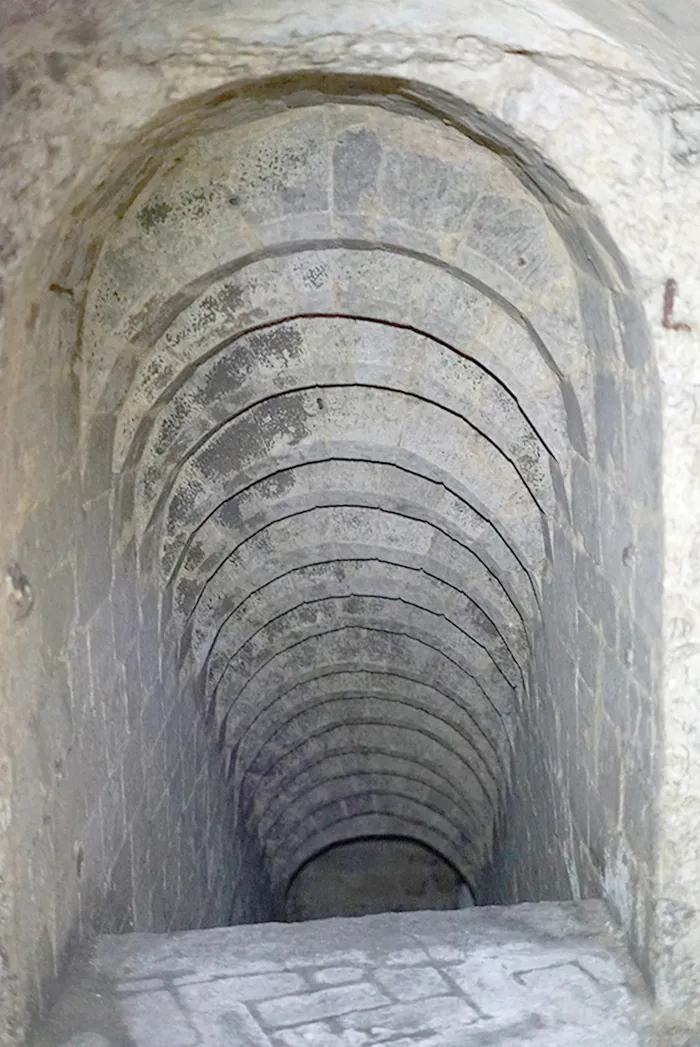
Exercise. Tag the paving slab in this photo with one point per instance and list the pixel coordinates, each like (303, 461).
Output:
(542, 974)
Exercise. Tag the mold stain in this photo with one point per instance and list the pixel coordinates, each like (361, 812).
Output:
(153, 214)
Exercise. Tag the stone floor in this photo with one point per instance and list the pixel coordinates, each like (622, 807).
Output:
(542, 975)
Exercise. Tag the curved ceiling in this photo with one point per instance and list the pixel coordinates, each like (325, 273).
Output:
(351, 342)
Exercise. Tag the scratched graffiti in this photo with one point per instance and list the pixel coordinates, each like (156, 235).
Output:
(667, 321)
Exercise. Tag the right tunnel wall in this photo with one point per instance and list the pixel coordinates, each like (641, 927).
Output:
(580, 819)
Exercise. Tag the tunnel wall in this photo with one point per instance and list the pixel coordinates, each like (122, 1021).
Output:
(587, 766)
(119, 818)
(28, 475)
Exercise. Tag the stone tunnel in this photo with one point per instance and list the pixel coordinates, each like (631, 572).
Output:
(335, 438)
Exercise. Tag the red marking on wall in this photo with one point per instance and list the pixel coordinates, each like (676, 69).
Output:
(667, 320)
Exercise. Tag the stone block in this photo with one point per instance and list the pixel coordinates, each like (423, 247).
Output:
(634, 331)
(562, 586)
(596, 599)
(155, 1019)
(638, 814)
(443, 1014)
(614, 688)
(326, 1003)
(588, 650)
(132, 772)
(337, 975)
(68, 810)
(425, 192)
(610, 774)
(585, 506)
(92, 873)
(97, 477)
(66, 909)
(94, 562)
(412, 983)
(55, 728)
(125, 607)
(512, 232)
(647, 579)
(206, 999)
(149, 644)
(642, 658)
(59, 599)
(356, 159)
(648, 756)
(617, 539)
(103, 661)
(610, 424)
(140, 846)
(643, 446)
(114, 718)
(78, 663)
(594, 304)
(113, 822)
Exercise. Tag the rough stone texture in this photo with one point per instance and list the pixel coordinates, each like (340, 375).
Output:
(102, 747)
(326, 391)
(547, 974)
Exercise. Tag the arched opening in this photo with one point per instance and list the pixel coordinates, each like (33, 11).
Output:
(358, 515)
(373, 875)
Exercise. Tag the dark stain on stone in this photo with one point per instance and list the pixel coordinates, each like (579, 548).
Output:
(279, 484)
(84, 32)
(226, 374)
(8, 244)
(230, 297)
(226, 453)
(195, 556)
(180, 508)
(667, 321)
(214, 308)
(173, 424)
(315, 276)
(57, 66)
(197, 202)
(337, 569)
(20, 598)
(229, 514)
(153, 214)
(288, 415)
(281, 342)
(32, 316)
(356, 160)
(10, 84)
(139, 319)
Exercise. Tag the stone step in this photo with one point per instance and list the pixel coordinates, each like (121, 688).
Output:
(540, 974)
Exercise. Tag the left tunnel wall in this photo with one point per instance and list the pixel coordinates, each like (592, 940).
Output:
(114, 799)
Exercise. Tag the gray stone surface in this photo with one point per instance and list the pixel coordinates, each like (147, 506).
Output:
(351, 518)
(551, 975)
